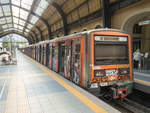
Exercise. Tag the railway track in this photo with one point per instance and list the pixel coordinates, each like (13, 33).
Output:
(116, 104)
(130, 104)
(133, 106)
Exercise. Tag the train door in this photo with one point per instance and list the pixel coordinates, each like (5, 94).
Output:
(43, 60)
(61, 57)
(47, 55)
(35, 51)
(40, 53)
(55, 57)
(44, 54)
(50, 55)
(37, 55)
(76, 61)
(32, 50)
(67, 59)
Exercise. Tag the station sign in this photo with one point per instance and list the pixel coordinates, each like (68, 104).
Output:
(144, 22)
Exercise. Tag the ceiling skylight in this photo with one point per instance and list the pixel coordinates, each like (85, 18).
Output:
(33, 19)
(16, 20)
(17, 14)
(9, 19)
(2, 21)
(4, 26)
(43, 4)
(15, 11)
(1, 12)
(16, 2)
(29, 26)
(23, 14)
(4, 1)
(6, 9)
(21, 22)
(10, 25)
(15, 25)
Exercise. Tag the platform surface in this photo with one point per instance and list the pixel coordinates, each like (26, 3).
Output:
(142, 81)
(26, 88)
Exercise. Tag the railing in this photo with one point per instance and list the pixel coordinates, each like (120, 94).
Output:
(144, 65)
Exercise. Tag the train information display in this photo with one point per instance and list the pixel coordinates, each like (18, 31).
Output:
(110, 38)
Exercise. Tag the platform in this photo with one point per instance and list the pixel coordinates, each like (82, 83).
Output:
(28, 87)
(142, 81)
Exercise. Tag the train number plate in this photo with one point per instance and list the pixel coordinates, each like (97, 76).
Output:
(104, 84)
(111, 72)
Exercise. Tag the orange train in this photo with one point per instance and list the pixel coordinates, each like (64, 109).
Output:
(98, 60)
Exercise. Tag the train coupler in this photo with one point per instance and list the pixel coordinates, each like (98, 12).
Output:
(119, 93)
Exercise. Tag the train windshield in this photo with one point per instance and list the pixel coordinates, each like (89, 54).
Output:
(110, 50)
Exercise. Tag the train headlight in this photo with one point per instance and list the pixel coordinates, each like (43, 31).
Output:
(124, 71)
(99, 73)
(94, 85)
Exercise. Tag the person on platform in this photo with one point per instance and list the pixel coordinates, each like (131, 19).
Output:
(137, 58)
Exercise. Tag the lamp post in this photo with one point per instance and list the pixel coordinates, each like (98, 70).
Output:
(10, 38)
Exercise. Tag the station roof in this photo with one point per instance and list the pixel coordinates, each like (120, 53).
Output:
(20, 15)
(39, 20)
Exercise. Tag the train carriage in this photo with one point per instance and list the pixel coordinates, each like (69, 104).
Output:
(95, 60)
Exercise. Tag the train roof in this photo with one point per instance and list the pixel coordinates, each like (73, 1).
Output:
(79, 34)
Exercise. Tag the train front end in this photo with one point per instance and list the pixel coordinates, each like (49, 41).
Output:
(111, 64)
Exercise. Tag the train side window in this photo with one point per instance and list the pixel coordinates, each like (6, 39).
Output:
(77, 48)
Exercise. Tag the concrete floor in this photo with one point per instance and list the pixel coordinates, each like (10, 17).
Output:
(25, 88)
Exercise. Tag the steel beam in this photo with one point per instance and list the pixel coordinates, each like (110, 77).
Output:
(33, 38)
(84, 2)
(15, 32)
(29, 40)
(10, 1)
(35, 35)
(15, 28)
(113, 7)
(40, 31)
(32, 6)
(32, 41)
(121, 4)
(48, 27)
(63, 16)
(106, 14)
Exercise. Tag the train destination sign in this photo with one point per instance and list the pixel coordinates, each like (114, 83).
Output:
(110, 38)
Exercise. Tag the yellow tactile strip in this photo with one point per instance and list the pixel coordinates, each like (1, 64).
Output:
(17, 101)
(142, 81)
(84, 99)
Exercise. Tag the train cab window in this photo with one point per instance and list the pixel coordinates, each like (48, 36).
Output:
(110, 50)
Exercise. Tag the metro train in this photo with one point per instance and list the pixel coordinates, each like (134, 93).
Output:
(98, 60)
